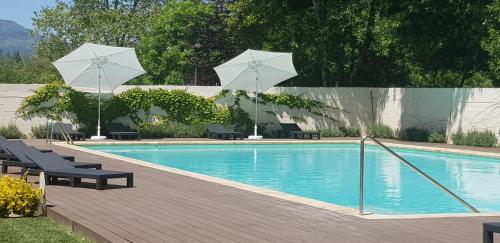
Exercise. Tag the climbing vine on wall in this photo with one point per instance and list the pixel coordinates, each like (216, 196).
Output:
(57, 101)
(297, 102)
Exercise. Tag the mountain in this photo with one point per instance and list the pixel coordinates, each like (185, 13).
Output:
(14, 37)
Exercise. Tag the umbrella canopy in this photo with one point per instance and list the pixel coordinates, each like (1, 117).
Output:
(116, 65)
(256, 71)
(99, 68)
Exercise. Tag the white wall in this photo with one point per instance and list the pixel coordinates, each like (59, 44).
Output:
(436, 109)
(11, 96)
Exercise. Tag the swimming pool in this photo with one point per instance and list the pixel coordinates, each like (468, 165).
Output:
(330, 173)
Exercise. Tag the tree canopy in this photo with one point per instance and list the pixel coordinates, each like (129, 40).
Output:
(335, 43)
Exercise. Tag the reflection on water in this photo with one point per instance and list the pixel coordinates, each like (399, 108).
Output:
(330, 173)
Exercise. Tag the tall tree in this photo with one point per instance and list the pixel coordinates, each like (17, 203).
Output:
(491, 43)
(334, 42)
(186, 35)
(443, 41)
(69, 24)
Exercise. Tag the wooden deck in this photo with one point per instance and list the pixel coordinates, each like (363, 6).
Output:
(167, 207)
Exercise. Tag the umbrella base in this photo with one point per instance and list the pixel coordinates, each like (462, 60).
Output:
(255, 137)
(98, 137)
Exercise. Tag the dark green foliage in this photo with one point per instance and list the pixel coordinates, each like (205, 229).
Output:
(458, 138)
(11, 131)
(437, 137)
(475, 138)
(18, 69)
(239, 119)
(351, 131)
(341, 132)
(346, 43)
(491, 43)
(172, 130)
(381, 131)
(414, 134)
(333, 132)
(183, 36)
(292, 101)
(39, 131)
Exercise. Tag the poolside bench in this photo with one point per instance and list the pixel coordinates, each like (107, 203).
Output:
(488, 230)
(218, 131)
(292, 130)
(119, 131)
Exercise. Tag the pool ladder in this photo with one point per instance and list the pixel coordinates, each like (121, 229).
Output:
(406, 162)
(50, 132)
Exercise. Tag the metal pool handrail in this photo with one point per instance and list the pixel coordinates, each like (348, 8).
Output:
(406, 162)
(50, 131)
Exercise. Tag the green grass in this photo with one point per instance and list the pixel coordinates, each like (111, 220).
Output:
(37, 229)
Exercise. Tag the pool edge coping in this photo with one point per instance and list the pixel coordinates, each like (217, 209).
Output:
(347, 141)
(273, 193)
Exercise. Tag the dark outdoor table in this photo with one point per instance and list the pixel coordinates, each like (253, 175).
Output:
(488, 230)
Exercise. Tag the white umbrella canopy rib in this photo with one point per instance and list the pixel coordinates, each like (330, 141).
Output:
(241, 72)
(99, 68)
(81, 67)
(256, 71)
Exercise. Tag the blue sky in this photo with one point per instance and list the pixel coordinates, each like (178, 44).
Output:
(21, 11)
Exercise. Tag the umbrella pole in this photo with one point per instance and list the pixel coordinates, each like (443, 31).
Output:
(99, 109)
(98, 136)
(255, 136)
(256, 104)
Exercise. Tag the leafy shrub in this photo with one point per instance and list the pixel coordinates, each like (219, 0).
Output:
(11, 131)
(333, 132)
(458, 138)
(39, 131)
(475, 138)
(341, 132)
(436, 137)
(381, 131)
(172, 129)
(481, 139)
(18, 196)
(351, 131)
(414, 134)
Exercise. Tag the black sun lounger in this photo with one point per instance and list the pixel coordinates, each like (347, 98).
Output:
(119, 131)
(10, 160)
(293, 131)
(218, 131)
(75, 135)
(55, 167)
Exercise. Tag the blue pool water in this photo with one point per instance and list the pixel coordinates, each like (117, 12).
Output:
(330, 173)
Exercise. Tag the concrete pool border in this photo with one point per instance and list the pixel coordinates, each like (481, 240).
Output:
(274, 193)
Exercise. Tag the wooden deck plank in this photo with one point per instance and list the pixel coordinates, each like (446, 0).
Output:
(174, 208)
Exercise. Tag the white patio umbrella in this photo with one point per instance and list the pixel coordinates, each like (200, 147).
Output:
(256, 71)
(99, 68)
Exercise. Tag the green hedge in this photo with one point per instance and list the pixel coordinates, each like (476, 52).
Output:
(437, 137)
(381, 131)
(172, 130)
(11, 131)
(341, 132)
(39, 131)
(475, 138)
